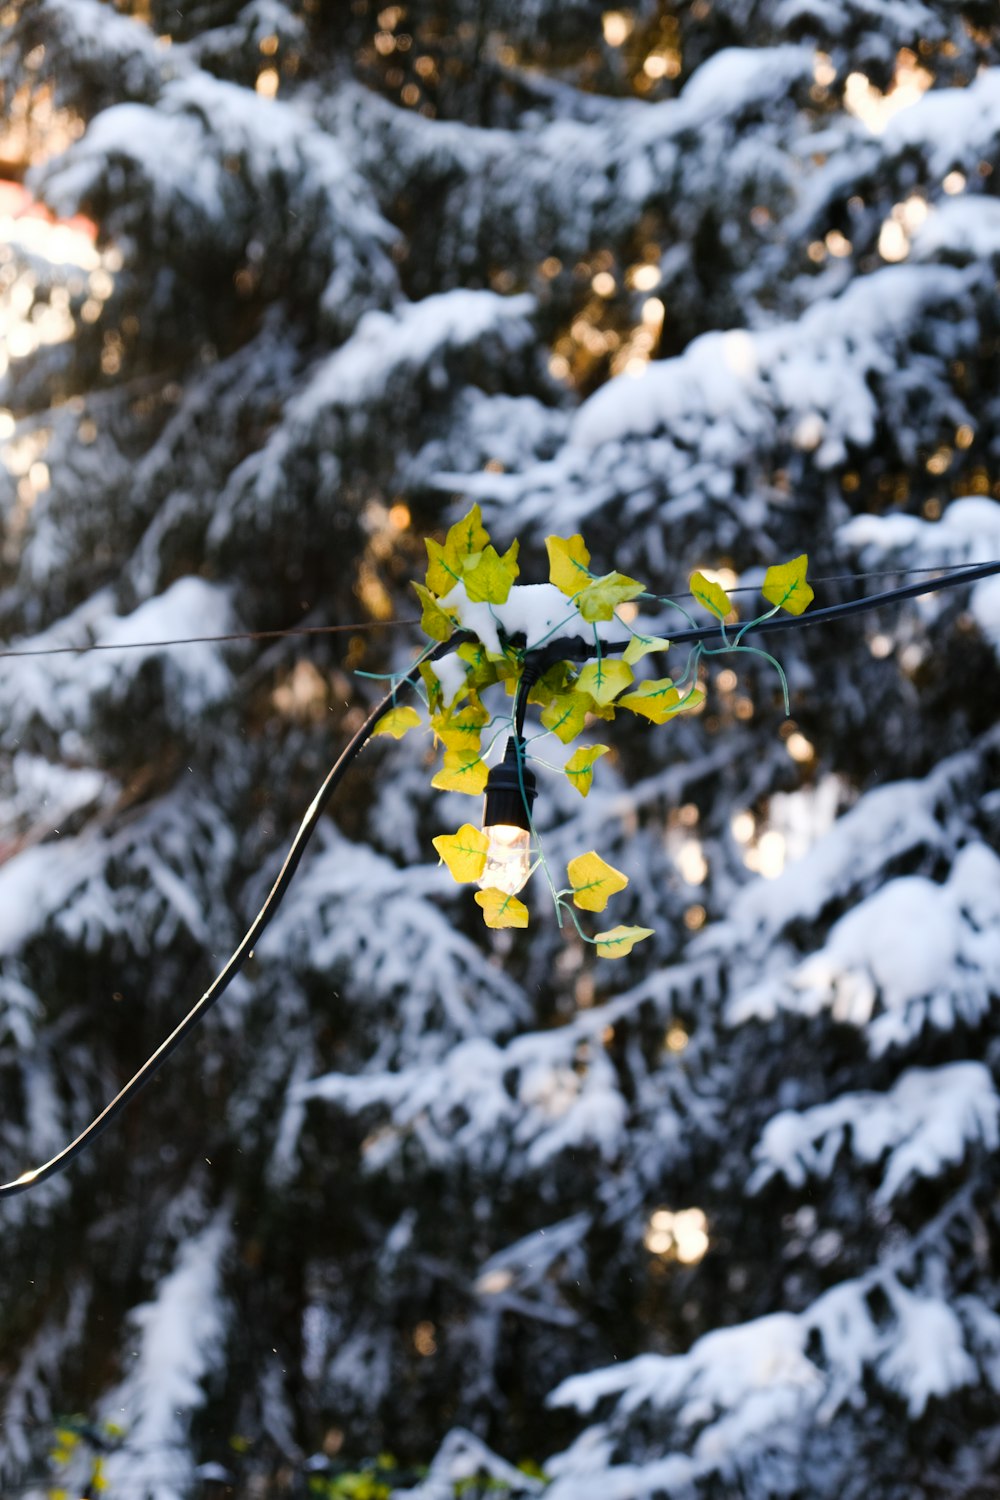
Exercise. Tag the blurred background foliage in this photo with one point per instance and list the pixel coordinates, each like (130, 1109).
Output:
(283, 287)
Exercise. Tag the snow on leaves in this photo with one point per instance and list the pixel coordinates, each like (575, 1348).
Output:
(923, 1125)
(913, 954)
(471, 590)
(737, 1390)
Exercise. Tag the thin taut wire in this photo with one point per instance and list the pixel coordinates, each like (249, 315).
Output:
(197, 640)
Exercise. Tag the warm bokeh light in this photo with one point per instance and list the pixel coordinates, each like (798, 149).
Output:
(875, 109)
(681, 1236)
(617, 27)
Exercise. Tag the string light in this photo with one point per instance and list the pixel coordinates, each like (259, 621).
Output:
(565, 650)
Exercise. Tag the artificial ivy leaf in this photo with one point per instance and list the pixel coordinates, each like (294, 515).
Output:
(641, 645)
(441, 576)
(620, 940)
(593, 881)
(568, 559)
(434, 621)
(463, 852)
(491, 578)
(462, 771)
(397, 721)
(553, 682)
(603, 679)
(483, 672)
(659, 700)
(466, 537)
(461, 728)
(580, 766)
(785, 585)
(566, 715)
(712, 595)
(599, 600)
(433, 688)
(462, 549)
(501, 910)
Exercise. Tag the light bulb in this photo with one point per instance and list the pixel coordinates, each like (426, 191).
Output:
(508, 859)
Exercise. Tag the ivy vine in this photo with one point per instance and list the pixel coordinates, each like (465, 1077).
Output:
(471, 592)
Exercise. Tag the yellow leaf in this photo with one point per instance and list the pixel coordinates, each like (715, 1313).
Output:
(580, 767)
(467, 537)
(785, 585)
(711, 595)
(396, 722)
(441, 577)
(462, 548)
(463, 852)
(566, 715)
(434, 621)
(568, 559)
(641, 645)
(603, 679)
(553, 682)
(461, 729)
(490, 580)
(483, 672)
(599, 599)
(620, 940)
(659, 700)
(501, 910)
(433, 688)
(462, 771)
(593, 881)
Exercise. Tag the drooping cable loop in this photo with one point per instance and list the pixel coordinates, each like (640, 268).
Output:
(253, 935)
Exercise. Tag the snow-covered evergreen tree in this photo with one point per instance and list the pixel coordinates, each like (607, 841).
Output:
(714, 283)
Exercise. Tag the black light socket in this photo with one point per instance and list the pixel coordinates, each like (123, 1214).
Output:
(505, 802)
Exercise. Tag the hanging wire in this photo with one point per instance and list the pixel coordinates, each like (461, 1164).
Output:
(29, 1179)
(197, 640)
(221, 983)
(961, 573)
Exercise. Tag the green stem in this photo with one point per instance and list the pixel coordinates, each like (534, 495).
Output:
(671, 604)
(751, 624)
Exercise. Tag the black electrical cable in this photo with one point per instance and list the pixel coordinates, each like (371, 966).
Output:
(970, 573)
(223, 980)
(535, 664)
(363, 625)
